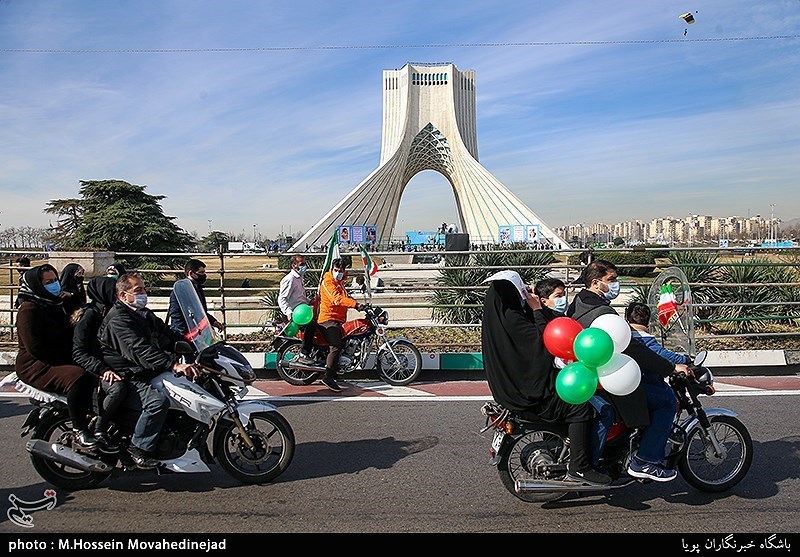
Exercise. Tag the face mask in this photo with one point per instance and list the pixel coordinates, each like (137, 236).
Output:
(613, 290)
(301, 270)
(200, 279)
(338, 275)
(561, 304)
(54, 288)
(139, 301)
(115, 277)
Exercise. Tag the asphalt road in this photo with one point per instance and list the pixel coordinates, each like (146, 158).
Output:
(379, 465)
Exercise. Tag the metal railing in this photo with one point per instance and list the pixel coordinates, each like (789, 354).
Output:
(222, 302)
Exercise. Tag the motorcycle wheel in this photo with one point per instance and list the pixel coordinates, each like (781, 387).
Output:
(292, 376)
(274, 448)
(706, 471)
(519, 462)
(405, 369)
(57, 428)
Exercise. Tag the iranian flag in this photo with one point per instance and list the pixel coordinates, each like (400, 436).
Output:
(333, 253)
(667, 305)
(370, 267)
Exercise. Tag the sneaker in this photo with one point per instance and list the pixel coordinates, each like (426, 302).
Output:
(106, 445)
(142, 459)
(649, 471)
(304, 359)
(331, 383)
(83, 441)
(589, 477)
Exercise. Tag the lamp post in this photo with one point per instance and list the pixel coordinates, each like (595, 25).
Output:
(254, 233)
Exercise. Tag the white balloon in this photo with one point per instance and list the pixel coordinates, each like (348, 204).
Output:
(620, 376)
(617, 328)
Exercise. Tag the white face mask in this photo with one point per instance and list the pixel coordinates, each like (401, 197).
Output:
(139, 301)
(338, 275)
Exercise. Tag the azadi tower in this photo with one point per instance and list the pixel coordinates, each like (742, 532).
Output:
(429, 124)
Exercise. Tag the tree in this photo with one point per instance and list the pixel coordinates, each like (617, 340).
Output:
(618, 241)
(213, 241)
(117, 216)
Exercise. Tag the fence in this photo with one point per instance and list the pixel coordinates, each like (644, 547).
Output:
(421, 283)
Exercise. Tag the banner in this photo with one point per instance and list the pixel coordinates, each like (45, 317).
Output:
(357, 234)
(505, 234)
(371, 234)
(344, 234)
(519, 233)
(533, 233)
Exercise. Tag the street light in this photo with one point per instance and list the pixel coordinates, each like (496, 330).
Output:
(254, 233)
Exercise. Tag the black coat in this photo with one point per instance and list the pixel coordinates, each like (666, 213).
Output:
(588, 306)
(74, 286)
(137, 345)
(519, 368)
(86, 350)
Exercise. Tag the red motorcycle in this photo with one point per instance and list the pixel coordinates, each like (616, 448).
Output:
(711, 448)
(397, 359)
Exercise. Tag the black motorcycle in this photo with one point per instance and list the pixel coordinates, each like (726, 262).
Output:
(711, 448)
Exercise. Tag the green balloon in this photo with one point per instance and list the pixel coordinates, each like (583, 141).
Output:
(302, 314)
(576, 383)
(291, 329)
(593, 347)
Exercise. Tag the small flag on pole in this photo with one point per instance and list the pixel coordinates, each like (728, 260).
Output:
(370, 267)
(667, 305)
(333, 253)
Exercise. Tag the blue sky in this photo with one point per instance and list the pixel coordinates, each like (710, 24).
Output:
(581, 133)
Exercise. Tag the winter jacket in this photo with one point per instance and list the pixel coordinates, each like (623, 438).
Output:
(333, 300)
(137, 344)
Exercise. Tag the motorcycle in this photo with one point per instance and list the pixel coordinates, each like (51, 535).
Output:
(251, 440)
(398, 361)
(711, 448)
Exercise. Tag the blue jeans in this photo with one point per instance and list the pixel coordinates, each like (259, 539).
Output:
(153, 406)
(663, 405)
(600, 426)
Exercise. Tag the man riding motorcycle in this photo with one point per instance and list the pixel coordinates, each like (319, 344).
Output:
(333, 306)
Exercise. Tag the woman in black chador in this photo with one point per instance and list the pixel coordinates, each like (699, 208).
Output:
(521, 373)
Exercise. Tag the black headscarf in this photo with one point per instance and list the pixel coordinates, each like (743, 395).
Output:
(102, 291)
(69, 281)
(518, 366)
(32, 290)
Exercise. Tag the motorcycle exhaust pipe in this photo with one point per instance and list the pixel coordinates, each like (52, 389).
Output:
(304, 367)
(527, 486)
(66, 456)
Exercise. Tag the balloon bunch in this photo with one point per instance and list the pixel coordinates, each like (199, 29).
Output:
(301, 315)
(593, 355)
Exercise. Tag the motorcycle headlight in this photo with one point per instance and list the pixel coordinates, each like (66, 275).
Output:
(704, 376)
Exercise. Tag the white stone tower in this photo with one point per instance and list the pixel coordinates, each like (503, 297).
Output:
(429, 124)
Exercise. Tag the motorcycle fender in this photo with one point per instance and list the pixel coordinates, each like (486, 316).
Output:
(31, 421)
(391, 342)
(691, 423)
(279, 342)
(248, 407)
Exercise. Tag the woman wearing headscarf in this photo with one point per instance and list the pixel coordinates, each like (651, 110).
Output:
(44, 356)
(87, 353)
(72, 290)
(521, 372)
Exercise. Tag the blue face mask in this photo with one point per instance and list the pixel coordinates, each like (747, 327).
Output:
(560, 304)
(54, 288)
(613, 290)
(301, 270)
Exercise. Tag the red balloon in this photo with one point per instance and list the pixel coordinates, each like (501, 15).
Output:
(559, 337)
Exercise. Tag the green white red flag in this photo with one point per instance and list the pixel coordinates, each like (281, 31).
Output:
(370, 267)
(667, 305)
(333, 253)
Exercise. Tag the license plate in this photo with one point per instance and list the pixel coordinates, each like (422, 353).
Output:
(497, 440)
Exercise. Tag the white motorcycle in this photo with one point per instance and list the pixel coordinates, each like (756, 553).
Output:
(251, 440)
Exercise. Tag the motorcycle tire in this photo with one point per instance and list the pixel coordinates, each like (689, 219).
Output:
(518, 460)
(403, 371)
(297, 377)
(274, 448)
(712, 473)
(57, 428)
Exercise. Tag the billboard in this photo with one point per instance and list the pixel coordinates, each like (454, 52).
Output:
(532, 233)
(344, 234)
(504, 236)
(371, 234)
(357, 234)
(518, 233)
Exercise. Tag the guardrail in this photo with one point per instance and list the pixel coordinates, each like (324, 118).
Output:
(260, 308)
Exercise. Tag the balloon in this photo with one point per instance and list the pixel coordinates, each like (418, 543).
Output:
(620, 376)
(617, 328)
(576, 383)
(302, 314)
(291, 329)
(593, 347)
(559, 337)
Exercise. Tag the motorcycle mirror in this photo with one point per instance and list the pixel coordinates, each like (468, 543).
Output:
(700, 357)
(183, 347)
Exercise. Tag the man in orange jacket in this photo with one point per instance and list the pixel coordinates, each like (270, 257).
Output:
(333, 306)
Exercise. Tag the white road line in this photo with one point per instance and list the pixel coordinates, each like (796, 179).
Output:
(391, 390)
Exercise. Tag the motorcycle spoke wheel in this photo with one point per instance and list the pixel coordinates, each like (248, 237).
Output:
(58, 430)
(272, 451)
(297, 377)
(402, 367)
(705, 469)
(528, 459)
